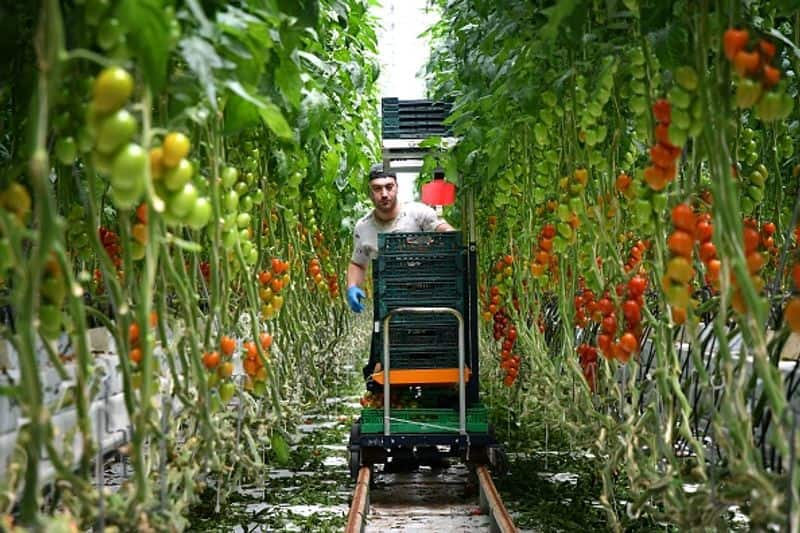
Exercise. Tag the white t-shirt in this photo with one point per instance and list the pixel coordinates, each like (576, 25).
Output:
(413, 216)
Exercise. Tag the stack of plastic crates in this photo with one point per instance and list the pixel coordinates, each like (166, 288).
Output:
(420, 270)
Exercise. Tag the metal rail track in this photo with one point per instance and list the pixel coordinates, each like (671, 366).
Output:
(425, 501)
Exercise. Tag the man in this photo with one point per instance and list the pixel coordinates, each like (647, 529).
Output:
(388, 216)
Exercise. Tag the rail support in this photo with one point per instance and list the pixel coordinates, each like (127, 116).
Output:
(357, 518)
(492, 505)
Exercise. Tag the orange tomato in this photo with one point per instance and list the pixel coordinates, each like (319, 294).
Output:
(683, 218)
(266, 340)
(133, 333)
(227, 345)
(211, 360)
(681, 243)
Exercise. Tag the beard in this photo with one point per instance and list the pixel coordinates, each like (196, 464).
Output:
(386, 207)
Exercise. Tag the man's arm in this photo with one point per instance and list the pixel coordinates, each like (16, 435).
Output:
(444, 226)
(355, 275)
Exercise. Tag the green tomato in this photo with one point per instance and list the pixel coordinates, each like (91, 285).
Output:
(230, 201)
(229, 222)
(129, 168)
(226, 391)
(681, 118)
(229, 177)
(50, 320)
(252, 256)
(563, 212)
(213, 380)
(258, 197)
(138, 251)
(244, 237)
(66, 150)
(686, 77)
(115, 131)
(111, 89)
(564, 229)
(259, 388)
(241, 188)
(229, 239)
(756, 193)
(126, 199)
(200, 214)
(638, 104)
(757, 178)
(177, 177)
(243, 220)
(181, 203)
(677, 135)
(54, 290)
(748, 93)
(246, 203)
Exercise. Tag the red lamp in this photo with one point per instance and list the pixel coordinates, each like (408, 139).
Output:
(439, 191)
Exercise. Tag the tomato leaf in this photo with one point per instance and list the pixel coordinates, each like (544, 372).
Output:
(202, 59)
(148, 37)
(275, 121)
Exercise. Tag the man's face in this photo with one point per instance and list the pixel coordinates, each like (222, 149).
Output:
(383, 192)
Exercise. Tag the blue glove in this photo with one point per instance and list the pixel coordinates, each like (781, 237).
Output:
(354, 297)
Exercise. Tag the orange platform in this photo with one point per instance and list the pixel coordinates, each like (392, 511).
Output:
(423, 376)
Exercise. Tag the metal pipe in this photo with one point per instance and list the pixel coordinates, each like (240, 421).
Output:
(462, 397)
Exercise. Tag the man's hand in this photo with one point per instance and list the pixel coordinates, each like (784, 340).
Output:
(354, 297)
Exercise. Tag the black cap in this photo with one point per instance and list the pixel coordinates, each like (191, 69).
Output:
(376, 171)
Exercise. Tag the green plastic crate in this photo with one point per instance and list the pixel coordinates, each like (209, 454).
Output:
(422, 341)
(422, 241)
(421, 266)
(444, 292)
(419, 421)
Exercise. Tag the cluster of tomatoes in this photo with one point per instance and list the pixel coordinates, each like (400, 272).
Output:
(604, 312)
(587, 357)
(758, 83)
(17, 200)
(135, 338)
(491, 223)
(687, 116)
(703, 231)
(663, 154)
(751, 239)
(205, 270)
(543, 257)
(679, 272)
(791, 313)
(220, 367)
(752, 188)
(272, 283)
(571, 204)
(253, 365)
(139, 233)
(323, 282)
(172, 177)
(53, 290)
(635, 256)
(110, 241)
(506, 333)
(623, 185)
(112, 129)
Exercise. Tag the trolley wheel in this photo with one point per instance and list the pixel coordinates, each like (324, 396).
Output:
(355, 449)
(355, 463)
